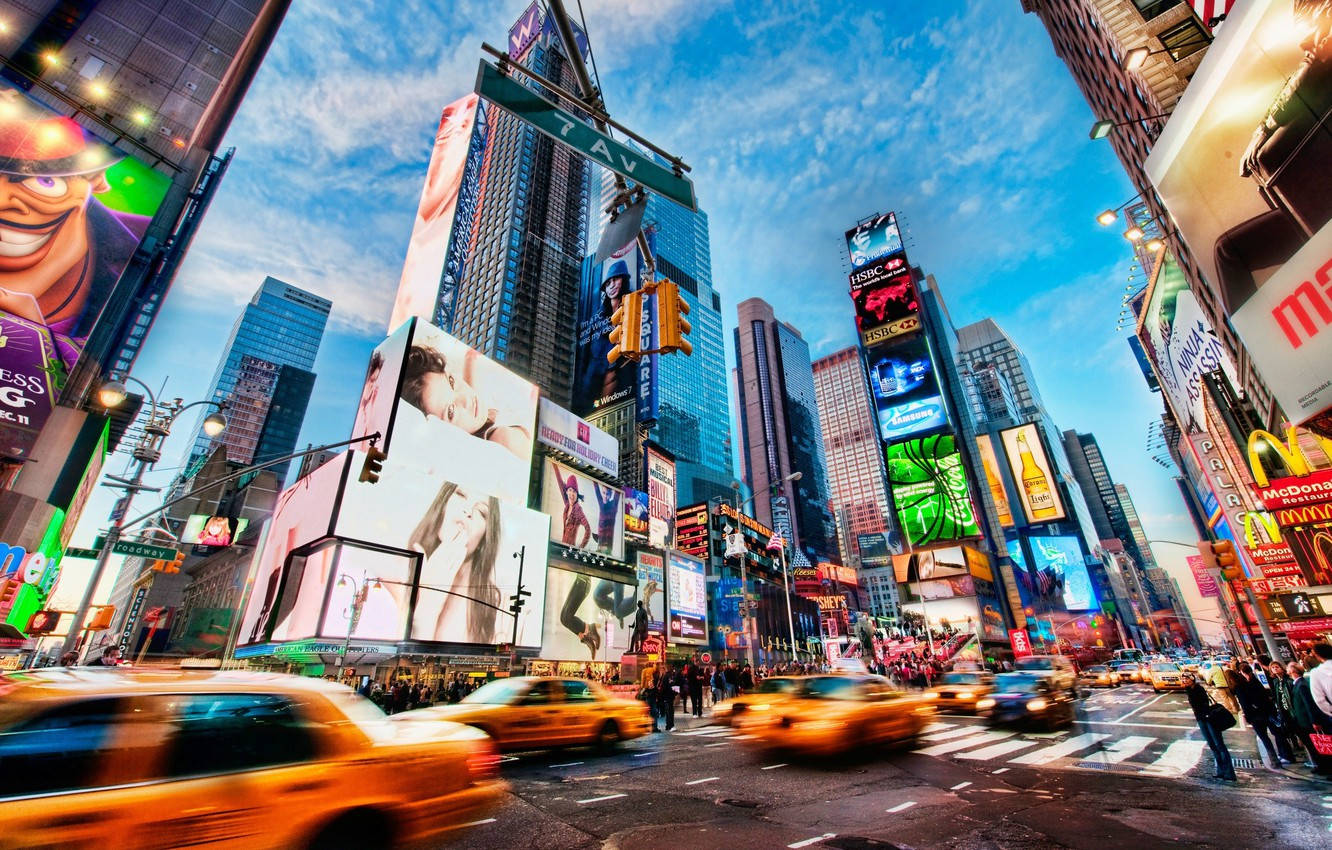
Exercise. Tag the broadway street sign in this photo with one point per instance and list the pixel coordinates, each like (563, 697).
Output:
(567, 128)
(144, 550)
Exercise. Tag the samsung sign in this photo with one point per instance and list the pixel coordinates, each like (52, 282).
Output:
(561, 430)
(913, 417)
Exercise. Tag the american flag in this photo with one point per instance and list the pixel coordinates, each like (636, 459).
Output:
(775, 544)
(1210, 11)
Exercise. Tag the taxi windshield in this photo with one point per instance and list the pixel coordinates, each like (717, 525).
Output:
(1018, 682)
(831, 687)
(498, 692)
(963, 679)
(1165, 668)
(1098, 668)
(780, 685)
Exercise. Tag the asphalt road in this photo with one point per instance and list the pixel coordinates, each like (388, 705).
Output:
(1132, 772)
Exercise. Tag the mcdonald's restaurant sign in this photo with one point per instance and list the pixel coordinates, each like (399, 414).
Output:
(1304, 485)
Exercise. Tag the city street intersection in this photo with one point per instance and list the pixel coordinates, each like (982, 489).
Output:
(1132, 772)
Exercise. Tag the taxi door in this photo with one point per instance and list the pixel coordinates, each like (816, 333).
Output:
(582, 714)
(537, 715)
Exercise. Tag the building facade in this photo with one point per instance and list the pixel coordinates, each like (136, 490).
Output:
(779, 426)
(265, 374)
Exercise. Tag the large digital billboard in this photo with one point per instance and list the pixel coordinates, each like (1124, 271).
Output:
(585, 513)
(1058, 561)
(423, 284)
(597, 383)
(661, 500)
(379, 390)
(75, 212)
(902, 384)
(929, 489)
(1033, 474)
(652, 589)
(1242, 167)
(588, 618)
(994, 480)
(873, 239)
(886, 310)
(573, 435)
(688, 593)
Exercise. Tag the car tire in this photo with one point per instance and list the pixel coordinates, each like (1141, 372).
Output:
(608, 737)
(352, 831)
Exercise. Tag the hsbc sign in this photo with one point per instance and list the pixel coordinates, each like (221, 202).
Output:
(879, 271)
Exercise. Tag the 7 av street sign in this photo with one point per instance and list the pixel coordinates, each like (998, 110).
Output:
(565, 127)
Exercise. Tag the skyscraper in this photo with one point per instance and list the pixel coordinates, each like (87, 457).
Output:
(779, 424)
(264, 375)
(693, 410)
(851, 447)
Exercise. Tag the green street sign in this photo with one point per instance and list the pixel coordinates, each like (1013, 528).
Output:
(565, 127)
(144, 550)
(90, 554)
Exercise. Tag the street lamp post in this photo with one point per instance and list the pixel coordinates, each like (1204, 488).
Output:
(146, 452)
(744, 573)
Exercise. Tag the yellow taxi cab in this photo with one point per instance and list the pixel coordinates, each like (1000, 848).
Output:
(1129, 671)
(959, 690)
(1165, 676)
(834, 714)
(120, 758)
(1098, 676)
(770, 692)
(535, 712)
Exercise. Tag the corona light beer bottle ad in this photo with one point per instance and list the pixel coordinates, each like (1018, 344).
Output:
(1031, 470)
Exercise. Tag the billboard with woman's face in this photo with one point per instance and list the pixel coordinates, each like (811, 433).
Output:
(585, 513)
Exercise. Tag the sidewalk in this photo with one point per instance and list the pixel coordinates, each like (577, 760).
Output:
(688, 722)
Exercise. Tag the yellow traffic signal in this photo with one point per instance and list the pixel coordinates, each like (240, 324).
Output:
(671, 312)
(626, 332)
(374, 464)
(101, 620)
(1226, 560)
(173, 566)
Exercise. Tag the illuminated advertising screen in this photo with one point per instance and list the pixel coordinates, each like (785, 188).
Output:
(692, 534)
(994, 480)
(219, 531)
(469, 541)
(597, 383)
(1245, 181)
(588, 618)
(652, 589)
(585, 513)
(76, 213)
(573, 435)
(1059, 565)
(661, 500)
(945, 588)
(947, 562)
(635, 512)
(1033, 474)
(379, 583)
(883, 270)
(886, 310)
(688, 594)
(423, 284)
(379, 390)
(902, 384)
(929, 489)
(873, 240)
(874, 550)
(463, 417)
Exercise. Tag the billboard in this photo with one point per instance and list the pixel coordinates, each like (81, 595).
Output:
(873, 240)
(688, 594)
(652, 589)
(882, 270)
(369, 593)
(1206, 581)
(575, 436)
(929, 489)
(564, 496)
(1059, 563)
(1176, 337)
(210, 531)
(1245, 181)
(661, 500)
(588, 618)
(75, 212)
(902, 384)
(463, 417)
(874, 551)
(379, 390)
(1033, 474)
(597, 383)
(635, 512)
(886, 310)
(994, 479)
(422, 286)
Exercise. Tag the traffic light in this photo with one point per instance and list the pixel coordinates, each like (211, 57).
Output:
(43, 622)
(626, 332)
(1226, 560)
(173, 566)
(374, 464)
(671, 312)
(101, 619)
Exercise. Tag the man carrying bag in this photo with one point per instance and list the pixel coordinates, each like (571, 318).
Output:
(1213, 719)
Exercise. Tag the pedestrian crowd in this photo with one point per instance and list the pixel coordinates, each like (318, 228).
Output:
(698, 686)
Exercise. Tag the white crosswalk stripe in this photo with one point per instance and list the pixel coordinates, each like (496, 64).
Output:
(994, 751)
(1045, 755)
(951, 733)
(965, 743)
(1120, 750)
(1178, 759)
(938, 727)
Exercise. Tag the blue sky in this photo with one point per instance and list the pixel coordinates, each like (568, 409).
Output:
(798, 118)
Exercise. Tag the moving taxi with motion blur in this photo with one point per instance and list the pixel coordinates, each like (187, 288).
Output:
(532, 713)
(769, 693)
(1098, 676)
(120, 758)
(1129, 671)
(958, 691)
(1165, 676)
(834, 714)
(1028, 699)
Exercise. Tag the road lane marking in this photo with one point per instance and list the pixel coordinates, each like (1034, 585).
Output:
(508, 758)
(568, 764)
(644, 755)
(709, 732)
(965, 743)
(600, 799)
(1045, 755)
(1001, 770)
(744, 737)
(815, 840)
(477, 823)
(1176, 727)
(1120, 750)
(996, 750)
(701, 781)
(773, 766)
(718, 744)
(1179, 758)
(901, 807)
(959, 786)
(952, 733)
(938, 727)
(1140, 708)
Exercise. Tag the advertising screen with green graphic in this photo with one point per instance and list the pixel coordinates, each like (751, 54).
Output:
(929, 488)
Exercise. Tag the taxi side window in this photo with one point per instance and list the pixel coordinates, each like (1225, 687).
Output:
(59, 750)
(220, 733)
(576, 691)
(543, 693)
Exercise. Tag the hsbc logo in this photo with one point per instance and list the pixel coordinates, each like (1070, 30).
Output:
(1306, 304)
(879, 271)
(890, 330)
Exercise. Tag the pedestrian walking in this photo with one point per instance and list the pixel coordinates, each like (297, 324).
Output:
(1256, 703)
(746, 680)
(1306, 719)
(1221, 692)
(668, 688)
(732, 681)
(1283, 704)
(1204, 710)
(1320, 679)
(696, 678)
